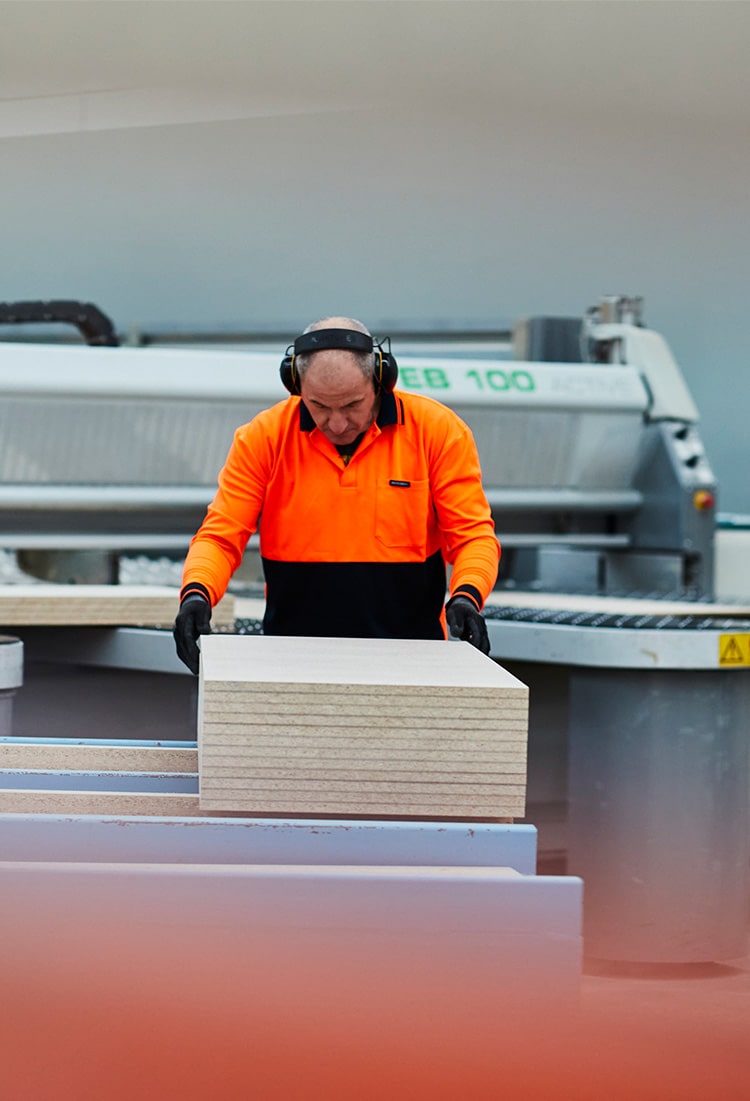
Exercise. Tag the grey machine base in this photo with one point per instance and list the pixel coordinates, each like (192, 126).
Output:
(639, 740)
(658, 824)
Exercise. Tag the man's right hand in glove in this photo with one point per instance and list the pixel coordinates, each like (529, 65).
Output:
(193, 619)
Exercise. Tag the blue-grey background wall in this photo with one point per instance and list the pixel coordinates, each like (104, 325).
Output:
(416, 164)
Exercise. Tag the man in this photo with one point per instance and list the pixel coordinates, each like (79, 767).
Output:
(362, 492)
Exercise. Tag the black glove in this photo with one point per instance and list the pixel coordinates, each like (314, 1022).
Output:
(193, 619)
(465, 622)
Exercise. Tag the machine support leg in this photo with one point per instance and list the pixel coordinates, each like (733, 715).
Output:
(658, 826)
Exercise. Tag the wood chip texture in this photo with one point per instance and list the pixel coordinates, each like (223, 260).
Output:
(49, 605)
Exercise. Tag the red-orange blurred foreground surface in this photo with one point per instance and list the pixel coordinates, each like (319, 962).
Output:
(166, 1022)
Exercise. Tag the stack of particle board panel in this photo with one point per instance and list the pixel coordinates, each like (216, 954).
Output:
(48, 605)
(364, 727)
(102, 778)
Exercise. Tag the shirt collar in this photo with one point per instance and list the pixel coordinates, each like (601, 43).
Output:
(387, 414)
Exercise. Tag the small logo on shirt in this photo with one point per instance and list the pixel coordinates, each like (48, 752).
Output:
(396, 482)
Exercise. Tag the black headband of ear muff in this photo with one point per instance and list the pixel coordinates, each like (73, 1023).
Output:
(322, 339)
(384, 370)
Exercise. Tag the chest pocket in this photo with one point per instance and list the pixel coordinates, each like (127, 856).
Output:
(402, 514)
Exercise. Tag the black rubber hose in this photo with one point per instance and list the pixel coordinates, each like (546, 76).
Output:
(95, 327)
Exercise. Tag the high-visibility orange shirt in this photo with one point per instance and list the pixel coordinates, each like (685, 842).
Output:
(357, 549)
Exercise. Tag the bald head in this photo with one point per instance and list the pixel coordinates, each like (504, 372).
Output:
(338, 323)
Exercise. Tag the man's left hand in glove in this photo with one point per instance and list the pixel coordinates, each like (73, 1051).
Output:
(466, 622)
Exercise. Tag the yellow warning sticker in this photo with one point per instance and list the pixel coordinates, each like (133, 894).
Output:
(734, 650)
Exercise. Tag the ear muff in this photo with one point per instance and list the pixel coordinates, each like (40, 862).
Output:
(288, 374)
(386, 368)
(385, 371)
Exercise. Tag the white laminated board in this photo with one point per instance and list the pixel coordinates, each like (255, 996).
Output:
(248, 937)
(614, 605)
(238, 840)
(365, 727)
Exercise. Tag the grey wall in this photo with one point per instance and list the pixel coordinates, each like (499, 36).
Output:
(413, 164)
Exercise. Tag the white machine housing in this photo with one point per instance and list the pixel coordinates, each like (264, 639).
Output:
(595, 470)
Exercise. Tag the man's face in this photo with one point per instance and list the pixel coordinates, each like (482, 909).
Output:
(341, 398)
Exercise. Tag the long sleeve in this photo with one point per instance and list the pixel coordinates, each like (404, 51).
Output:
(464, 516)
(232, 517)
